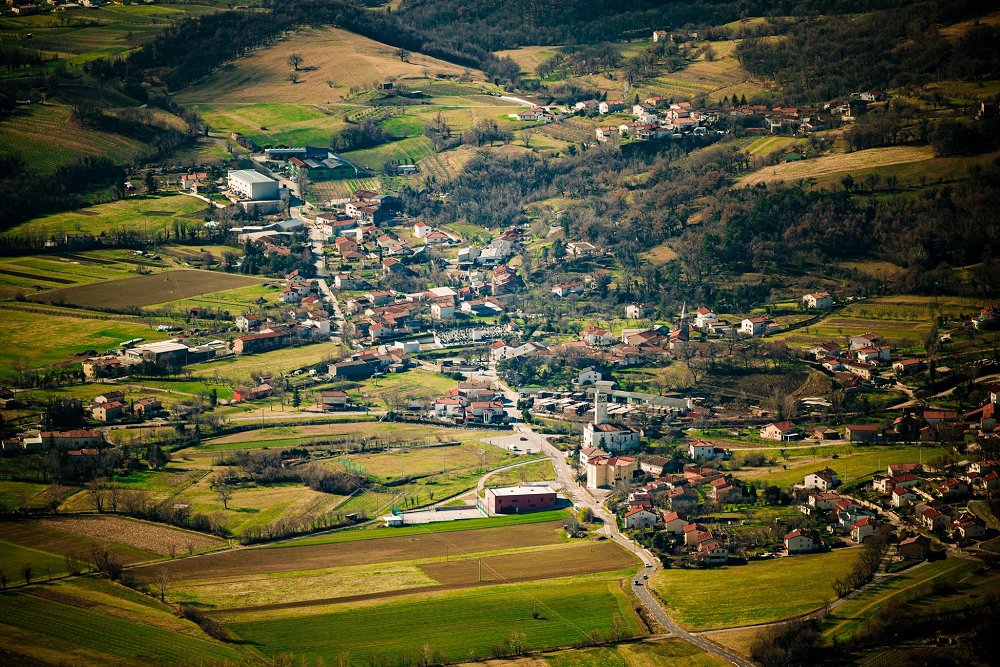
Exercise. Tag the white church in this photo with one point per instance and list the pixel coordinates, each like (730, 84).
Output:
(612, 438)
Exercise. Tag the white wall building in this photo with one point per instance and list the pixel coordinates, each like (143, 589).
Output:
(253, 185)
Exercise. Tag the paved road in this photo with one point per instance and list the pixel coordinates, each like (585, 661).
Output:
(566, 476)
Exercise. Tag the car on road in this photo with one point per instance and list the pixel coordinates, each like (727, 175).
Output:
(637, 582)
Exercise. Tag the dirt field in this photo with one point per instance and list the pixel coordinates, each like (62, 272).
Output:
(146, 290)
(835, 164)
(329, 55)
(138, 534)
(289, 559)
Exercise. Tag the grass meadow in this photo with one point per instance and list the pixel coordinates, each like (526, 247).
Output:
(146, 213)
(743, 595)
(457, 625)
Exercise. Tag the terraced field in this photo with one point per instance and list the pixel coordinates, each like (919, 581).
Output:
(39, 134)
(92, 621)
(838, 164)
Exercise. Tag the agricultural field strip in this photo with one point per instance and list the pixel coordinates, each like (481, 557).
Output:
(378, 578)
(427, 544)
(853, 611)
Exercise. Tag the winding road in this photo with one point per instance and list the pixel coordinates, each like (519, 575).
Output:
(566, 477)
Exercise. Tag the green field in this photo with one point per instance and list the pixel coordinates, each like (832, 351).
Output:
(744, 595)
(26, 275)
(14, 557)
(850, 617)
(148, 214)
(240, 368)
(377, 533)
(852, 467)
(542, 471)
(413, 384)
(459, 625)
(66, 334)
(92, 621)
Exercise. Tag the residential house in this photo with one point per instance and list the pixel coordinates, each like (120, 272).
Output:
(713, 552)
(674, 522)
(824, 501)
(147, 407)
(592, 335)
(780, 431)
(582, 249)
(108, 411)
(757, 326)
(610, 106)
(75, 439)
(564, 290)
(654, 465)
(824, 480)
(704, 317)
(700, 450)
(641, 518)
(800, 541)
(864, 528)
(241, 394)
(932, 519)
(695, 533)
(865, 340)
(587, 453)
(109, 397)
(908, 366)
(682, 499)
(589, 375)
(902, 497)
(917, 547)
(818, 300)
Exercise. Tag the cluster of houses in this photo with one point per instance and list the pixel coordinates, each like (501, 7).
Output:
(111, 407)
(76, 442)
(655, 118)
(470, 403)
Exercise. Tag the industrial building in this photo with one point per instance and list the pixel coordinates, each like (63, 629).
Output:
(519, 499)
(253, 185)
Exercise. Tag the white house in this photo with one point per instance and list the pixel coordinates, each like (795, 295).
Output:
(703, 317)
(641, 518)
(755, 326)
(421, 229)
(819, 300)
(597, 336)
(567, 289)
(780, 431)
(799, 542)
(589, 375)
(903, 497)
(638, 311)
(705, 450)
(824, 480)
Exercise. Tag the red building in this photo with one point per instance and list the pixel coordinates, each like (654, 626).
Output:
(518, 499)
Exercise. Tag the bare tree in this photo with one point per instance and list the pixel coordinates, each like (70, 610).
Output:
(295, 60)
(293, 78)
(223, 489)
(162, 583)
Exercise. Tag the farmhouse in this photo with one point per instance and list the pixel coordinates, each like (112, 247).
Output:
(818, 301)
(519, 499)
(334, 400)
(781, 431)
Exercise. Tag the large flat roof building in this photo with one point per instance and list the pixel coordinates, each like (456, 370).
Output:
(517, 499)
(253, 185)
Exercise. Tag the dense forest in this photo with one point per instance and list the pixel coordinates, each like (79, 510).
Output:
(878, 50)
